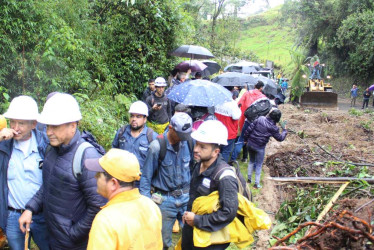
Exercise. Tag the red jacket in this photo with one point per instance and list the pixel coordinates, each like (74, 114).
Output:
(246, 100)
(229, 113)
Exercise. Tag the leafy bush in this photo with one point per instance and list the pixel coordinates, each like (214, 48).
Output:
(301, 209)
(355, 112)
(104, 115)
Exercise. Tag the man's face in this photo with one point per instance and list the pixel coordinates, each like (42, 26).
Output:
(160, 90)
(137, 121)
(102, 185)
(204, 151)
(23, 128)
(151, 86)
(61, 134)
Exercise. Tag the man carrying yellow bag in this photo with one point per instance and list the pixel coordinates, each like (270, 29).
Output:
(214, 201)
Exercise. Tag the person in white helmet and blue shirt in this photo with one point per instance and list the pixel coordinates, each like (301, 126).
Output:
(22, 149)
(136, 136)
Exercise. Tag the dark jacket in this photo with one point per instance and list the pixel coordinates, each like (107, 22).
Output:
(159, 116)
(205, 183)
(69, 204)
(147, 92)
(367, 94)
(6, 148)
(259, 132)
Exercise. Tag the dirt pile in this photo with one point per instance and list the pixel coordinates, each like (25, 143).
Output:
(319, 144)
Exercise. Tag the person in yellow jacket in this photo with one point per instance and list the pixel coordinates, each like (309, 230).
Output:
(129, 220)
(210, 174)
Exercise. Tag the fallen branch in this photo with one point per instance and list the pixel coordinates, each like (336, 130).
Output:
(327, 152)
(345, 162)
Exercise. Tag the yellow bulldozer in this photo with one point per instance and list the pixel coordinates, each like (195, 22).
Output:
(318, 93)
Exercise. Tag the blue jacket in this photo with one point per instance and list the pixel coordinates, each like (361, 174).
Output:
(69, 204)
(259, 132)
(354, 92)
(138, 146)
(174, 172)
(6, 148)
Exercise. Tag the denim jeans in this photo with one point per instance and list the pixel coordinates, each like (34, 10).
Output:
(38, 231)
(226, 150)
(172, 208)
(239, 144)
(255, 163)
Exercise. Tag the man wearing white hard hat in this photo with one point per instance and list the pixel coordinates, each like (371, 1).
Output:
(69, 201)
(129, 220)
(210, 174)
(159, 107)
(136, 136)
(22, 149)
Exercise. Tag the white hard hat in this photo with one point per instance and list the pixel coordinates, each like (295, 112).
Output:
(139, 107)
(22, 108)
(60, 109)
(160, 82)
(211, 131)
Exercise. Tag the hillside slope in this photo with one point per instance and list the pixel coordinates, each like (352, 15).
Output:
(264, 35)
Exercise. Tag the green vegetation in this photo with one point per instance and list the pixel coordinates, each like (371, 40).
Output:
(264, 36)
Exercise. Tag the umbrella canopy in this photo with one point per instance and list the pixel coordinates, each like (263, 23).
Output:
(371, 88)
(192, 51)
(201, 93)
(243, 67)
(213, 67)
(270, 88)
(235, 79)
(194, 65)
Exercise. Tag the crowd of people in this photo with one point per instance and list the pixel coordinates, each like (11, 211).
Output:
(58, 188)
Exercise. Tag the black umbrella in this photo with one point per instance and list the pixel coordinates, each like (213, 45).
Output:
(213, 67)
(270, 87)
(192, 52)
(243, 67)
(235, 79)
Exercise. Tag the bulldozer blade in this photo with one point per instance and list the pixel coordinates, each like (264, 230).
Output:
(319, 100)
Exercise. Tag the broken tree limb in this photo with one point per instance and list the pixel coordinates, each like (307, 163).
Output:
(328, 206)
(332, 201)
(320, 179)
(345, 162)
(327, 152)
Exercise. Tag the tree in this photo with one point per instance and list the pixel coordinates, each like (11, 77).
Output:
(355, 38)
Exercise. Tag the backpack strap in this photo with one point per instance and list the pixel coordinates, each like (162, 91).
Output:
(77, 160)
(150, 134)
(121, 131)
(162, 142)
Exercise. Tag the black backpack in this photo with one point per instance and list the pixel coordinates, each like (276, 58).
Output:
(260, 107)
(162, 141)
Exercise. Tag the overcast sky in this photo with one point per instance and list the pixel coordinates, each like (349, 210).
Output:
(254, 6)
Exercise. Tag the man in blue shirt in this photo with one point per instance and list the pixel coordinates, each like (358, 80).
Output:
(136, 136)
(169, 175)
(22, 149)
